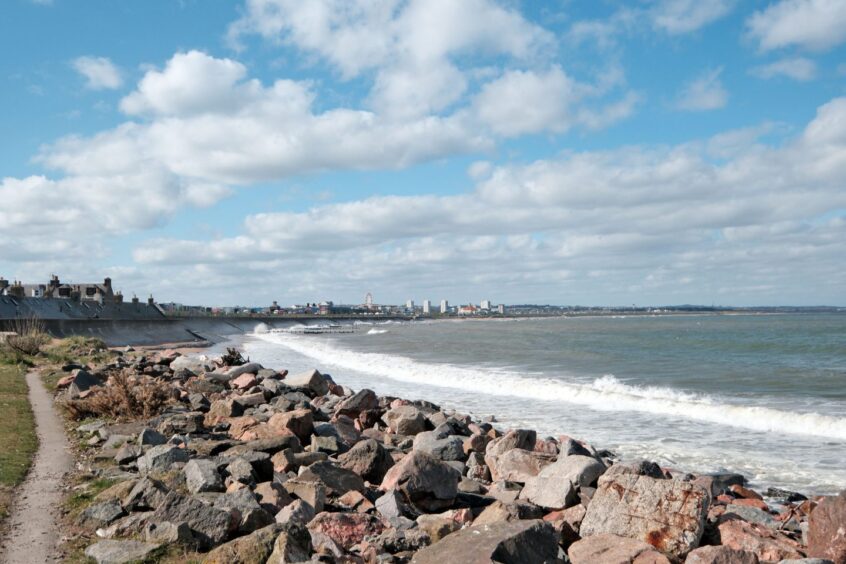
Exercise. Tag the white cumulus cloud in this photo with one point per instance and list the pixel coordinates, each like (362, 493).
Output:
(816, 25)
(797, 68)
(99, 72)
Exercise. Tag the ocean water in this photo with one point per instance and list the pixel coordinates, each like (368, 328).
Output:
(763, 395)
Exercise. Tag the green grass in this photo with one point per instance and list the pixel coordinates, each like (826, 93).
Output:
(18, 441)
(77, 349)
(80, 499)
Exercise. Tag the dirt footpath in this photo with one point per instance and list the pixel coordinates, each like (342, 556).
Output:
(33, 533)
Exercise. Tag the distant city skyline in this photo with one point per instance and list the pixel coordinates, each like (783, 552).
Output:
(592, 153)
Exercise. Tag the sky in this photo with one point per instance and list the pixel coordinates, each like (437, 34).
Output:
(589, 152)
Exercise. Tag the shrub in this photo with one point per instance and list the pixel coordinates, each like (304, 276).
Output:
(123, 397)
(29, 338)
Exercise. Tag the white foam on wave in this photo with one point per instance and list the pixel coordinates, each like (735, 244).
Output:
(605, 394)
(377, 331)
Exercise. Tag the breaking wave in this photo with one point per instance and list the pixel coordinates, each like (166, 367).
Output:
(377, 331)
(606, 393)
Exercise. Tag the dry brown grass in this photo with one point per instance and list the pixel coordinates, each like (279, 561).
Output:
(123, 397)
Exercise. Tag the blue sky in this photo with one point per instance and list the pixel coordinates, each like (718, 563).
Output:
(652, 152)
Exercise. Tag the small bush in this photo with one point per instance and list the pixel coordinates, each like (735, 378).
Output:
(232, 358)
(29, 338)
(123, 397)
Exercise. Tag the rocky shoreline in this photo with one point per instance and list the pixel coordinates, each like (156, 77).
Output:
(227, 461)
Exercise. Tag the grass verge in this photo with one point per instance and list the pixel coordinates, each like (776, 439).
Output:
(18, 441)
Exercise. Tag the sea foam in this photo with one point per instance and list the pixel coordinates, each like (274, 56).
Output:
(606, 393)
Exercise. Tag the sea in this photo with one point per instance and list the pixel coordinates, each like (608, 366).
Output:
(762, 395)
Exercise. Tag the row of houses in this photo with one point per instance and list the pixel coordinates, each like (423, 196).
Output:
(99, 292)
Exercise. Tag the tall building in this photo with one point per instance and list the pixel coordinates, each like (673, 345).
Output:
(368, 300)
(444, 306)
(409, 304)
(427, 306)
(500, 309)
(486, 305)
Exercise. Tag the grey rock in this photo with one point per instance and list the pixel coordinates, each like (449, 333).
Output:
(556, 486)
(161, 458)
(362, 400)
(146, 495)
(517, 438)
(82, 381)
(240, 470)
(253, 548)
(209, 525)
(245, 510)
(514, 542)
(405, 420)
(392, 505)
(450, 447)
(101, 514)
(368, 459)
(311, 491)
(198, 402)
(151, 437)
(202, 476)
(424, 480)
(120, 551)
(337, 480)
(194, 364)
(511, 511)
(128, 453)
(166, 532)
(293, 544)
(297, 511)
(310, 379)
(91, 427)
(753, 515)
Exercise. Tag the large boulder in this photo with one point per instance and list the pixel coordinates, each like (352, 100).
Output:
(197, 365)
(244, 510)
(300, 422)
(346, 529)
(827, 529)
(120, 551)
(514, 542)
(80, 381)
(556, 486)
(311, 380)
(765, 543)
(512, 511)
(517, 438)
(101, 514)
(255, 547)
(161, 458)
(613, 549)
(405, 420)
(209, 525)
(450, 447)
(337, 480)
(424, 480)
(363, 400)
(368, 459)
(667, 514)
(202, 476)
(293, 544)
(517, 465)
